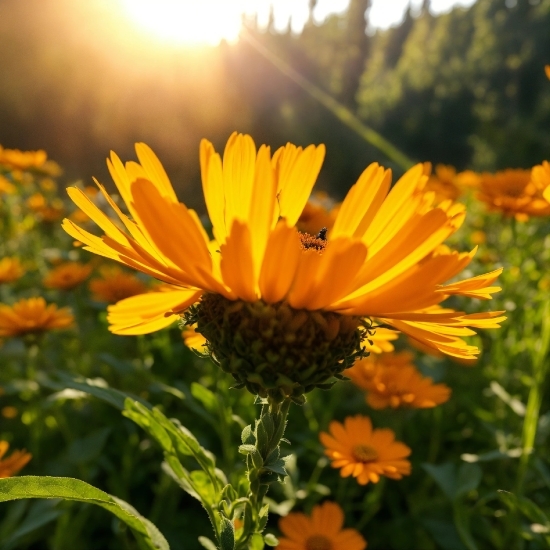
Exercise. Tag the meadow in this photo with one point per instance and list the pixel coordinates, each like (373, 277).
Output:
(152, 441)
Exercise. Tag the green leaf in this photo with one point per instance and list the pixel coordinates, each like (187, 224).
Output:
(444, 533)
(205, 396)
(444, 475)
(146, 533)
(468, 478)
(526, 506)
(271, 540)
(256, 542)
(277, 466)
(97, 387)
(207, 543)
(227, 534)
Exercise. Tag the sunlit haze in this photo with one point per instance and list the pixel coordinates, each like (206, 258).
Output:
(209, 21)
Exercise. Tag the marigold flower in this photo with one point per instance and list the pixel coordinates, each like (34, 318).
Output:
(364, 452)
(265, 289)
(547, 71)
(10, 270)
(22, 160)
(67, 276)
(322, 530)
(10, 466)
(391, 380)
(193, 339)
(319, 212)
(32, 315)
(115, 285)
(381, 340)
(46, 211)
(540, 175)
(514, 192)
(442, 183)
(6, 187)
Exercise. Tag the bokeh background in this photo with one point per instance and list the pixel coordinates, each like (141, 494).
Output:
(460, 85)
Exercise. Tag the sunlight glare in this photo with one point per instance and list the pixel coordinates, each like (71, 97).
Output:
(188, 21)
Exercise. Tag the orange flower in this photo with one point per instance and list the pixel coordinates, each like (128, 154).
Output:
(6, 187)
(541, 178)
(320, 531)
(381, 340)
(193, 340)
(21, 160)
(515, 193)
(67, 276)
(10, 466)
(115, 285)
(46, 211)
(391, 380)
(10, 270)
(547, 71)
(375, 262)
(442, 183)
(319, 212)
(364, 453)
(32, 315)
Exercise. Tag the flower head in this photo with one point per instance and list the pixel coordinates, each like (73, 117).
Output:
(10, 270)
(319, 212)
(6, 187)
(322, 530)
(47, 211)
(547, 71)
(442, 182)
(67, 276)
(31, 316)
(391, 380)
(364, 452)
(266, 295)
(514, 193)
(21, 160)
(115, 285)
(17, 460)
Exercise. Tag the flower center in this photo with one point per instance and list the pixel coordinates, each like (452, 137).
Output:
(318, 542)
(317, 242)
(364, 453)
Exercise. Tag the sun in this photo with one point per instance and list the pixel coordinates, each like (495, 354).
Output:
(188, 22)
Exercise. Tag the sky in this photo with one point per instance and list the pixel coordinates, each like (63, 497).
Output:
(383, 13)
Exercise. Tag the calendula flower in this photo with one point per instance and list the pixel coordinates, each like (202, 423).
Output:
(10, 270)
(17, 460)
(193, 340)
(547, 71)
(67, 276)
(322, 530)
(540, 175)
(32, 315)
(442, 182)
(115, 285)
(48, 211)
(283, 311)
(6, 187)
(21, 160)
(364, 452)
(392, 380)
(381, 340)
(319, 213)
(514, 193)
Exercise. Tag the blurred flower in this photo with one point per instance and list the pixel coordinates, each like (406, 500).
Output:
(115, 285)
(262, 289)
(48, 185)
(541, 178)
(391, 380)
(547, 71)
(32, 315)
(381, 340)
(478, 237)
(193, 340)
(6, 187)
(364, 452)
(322, 530)
(319, 212)
(10, 466)
(47, 211)
(442, 183)
(50, 168)
(514, 193)
(22, 160)
(67, 276)
(10, 270)
(9, 412)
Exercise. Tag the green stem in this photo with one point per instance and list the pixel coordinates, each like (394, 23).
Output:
(540, 366)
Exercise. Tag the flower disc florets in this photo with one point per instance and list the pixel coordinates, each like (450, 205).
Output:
(276, 351)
